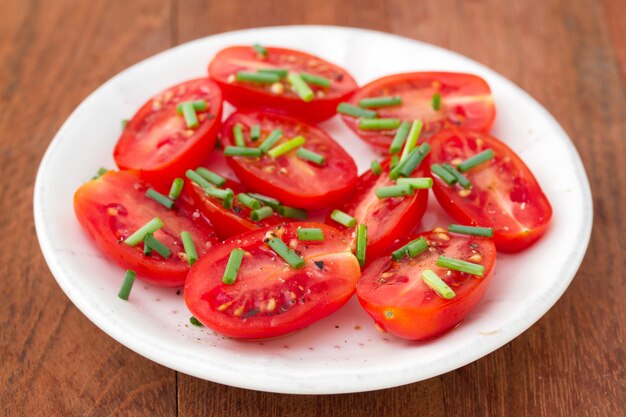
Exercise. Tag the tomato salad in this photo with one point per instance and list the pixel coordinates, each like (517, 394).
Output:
(289, 233)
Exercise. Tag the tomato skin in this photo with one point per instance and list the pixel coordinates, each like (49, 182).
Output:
(474, 110)
(291, 180)
(505, 195)
(112, 207)
(300, 297)
(258, 96)
(402, 304)
(157, 142)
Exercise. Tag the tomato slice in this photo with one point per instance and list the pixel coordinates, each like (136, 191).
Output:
(293, 181)
(504, 195)
(269, 298)
(400, 302)
(279, 95)
(387, 219)
(466, 101)
(157, 141)
(114, 206)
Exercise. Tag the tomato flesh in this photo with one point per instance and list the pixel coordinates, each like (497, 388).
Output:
(400, 302)
(279, 96)
(269, 298)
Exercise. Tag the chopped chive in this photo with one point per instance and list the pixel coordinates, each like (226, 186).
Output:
(384, 101)
(436, 101)
(255, 133)
(379, 124)
(416, 183)
(272, 202)
(198, 105)
(241, 151)
(232, 267)
(393, 162)
(475, 160)
(442, 173)
(238, 135)
(99, 173)
(124, 123)
(343, 218)
(270, 140)
(160, 198)
(150, 227)
(310, 234)
(248, 201)
(461, 179)
(198, 179)
(406, 167)
(127, 285)
(279, 72)
(414, 135)
(316, 80)
(195, 321)
(361, 243)
(291, 212)
(437, 284)
(471, 230)
(354, 111)
(284, 252)
(400, 138)
(260, 49)
(227, 203)
(376, 168)
(157, 246)
(189, 113)
(176, 188)
(211, 176)
(399, 190)
(413, 248)
(261, 213)
(308, 155)
(461, 266)
(399, 253)
(256, 77)
(190, 248)
(147, 250)
(285, 147)
(301, 87)
(219, 193)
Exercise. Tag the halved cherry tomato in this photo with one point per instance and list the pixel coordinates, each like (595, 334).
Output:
(114, 206)
(293, 181)
(466, 101)
(269, 298)
(157, 141)
(279, 95)
(387, 219)
(504, 195)
(400, 302)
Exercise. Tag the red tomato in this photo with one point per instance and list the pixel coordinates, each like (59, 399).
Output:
(293, 181)
(504, 195)
(279, 96)
(114, 206)
(269, 298)
(157, 142)
(400, 302)
(465, 101)
(387, 219)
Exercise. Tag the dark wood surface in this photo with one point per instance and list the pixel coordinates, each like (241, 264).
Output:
(569, 54)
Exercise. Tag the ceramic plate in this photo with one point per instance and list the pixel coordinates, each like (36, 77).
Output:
(344, 352)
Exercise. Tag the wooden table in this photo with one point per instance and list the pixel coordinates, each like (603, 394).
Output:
(569, 54)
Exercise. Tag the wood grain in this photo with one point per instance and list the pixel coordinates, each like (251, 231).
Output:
(569, 55)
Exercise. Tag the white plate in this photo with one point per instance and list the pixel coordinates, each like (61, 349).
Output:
(343, 353)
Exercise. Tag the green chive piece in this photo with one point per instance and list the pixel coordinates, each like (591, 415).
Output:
(195, 321)
(150, 227)
(442, 173)
(189, 113)
(124, 123)
(99, 173)
(379, 124)
(400, 138)
(147, 250)
(384, 101)
(127, 285)
(436, 101)
(238, 135)
(272, 202)
(197, 178)
(406, 167)
(287, 254)
(416, 183)
(232, 267)
(190, 248)
(461, 266)
(291, 212)
(437, 284)
(399, 190)
(211, 176)
(157, 246)
(343, 218)
(354, 111)
(260, 49)
(399, 253)
(255, 133)
(227, 203)
(461, 179)
(471, 230)
(241, 151)
(376, 168)
(393, 162)
(219, 193)
(476, 160)
(310, 234)
(315, 80)
(261, 213)
(198, 105)
(301, 87)
(361, 243)
(279, 72)
(285, 147)
(311, 156)
(160, 198)
(413, 248)
(414, 135)
(271, 140)
(256, 77)
(248, 201)
(176, 188)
